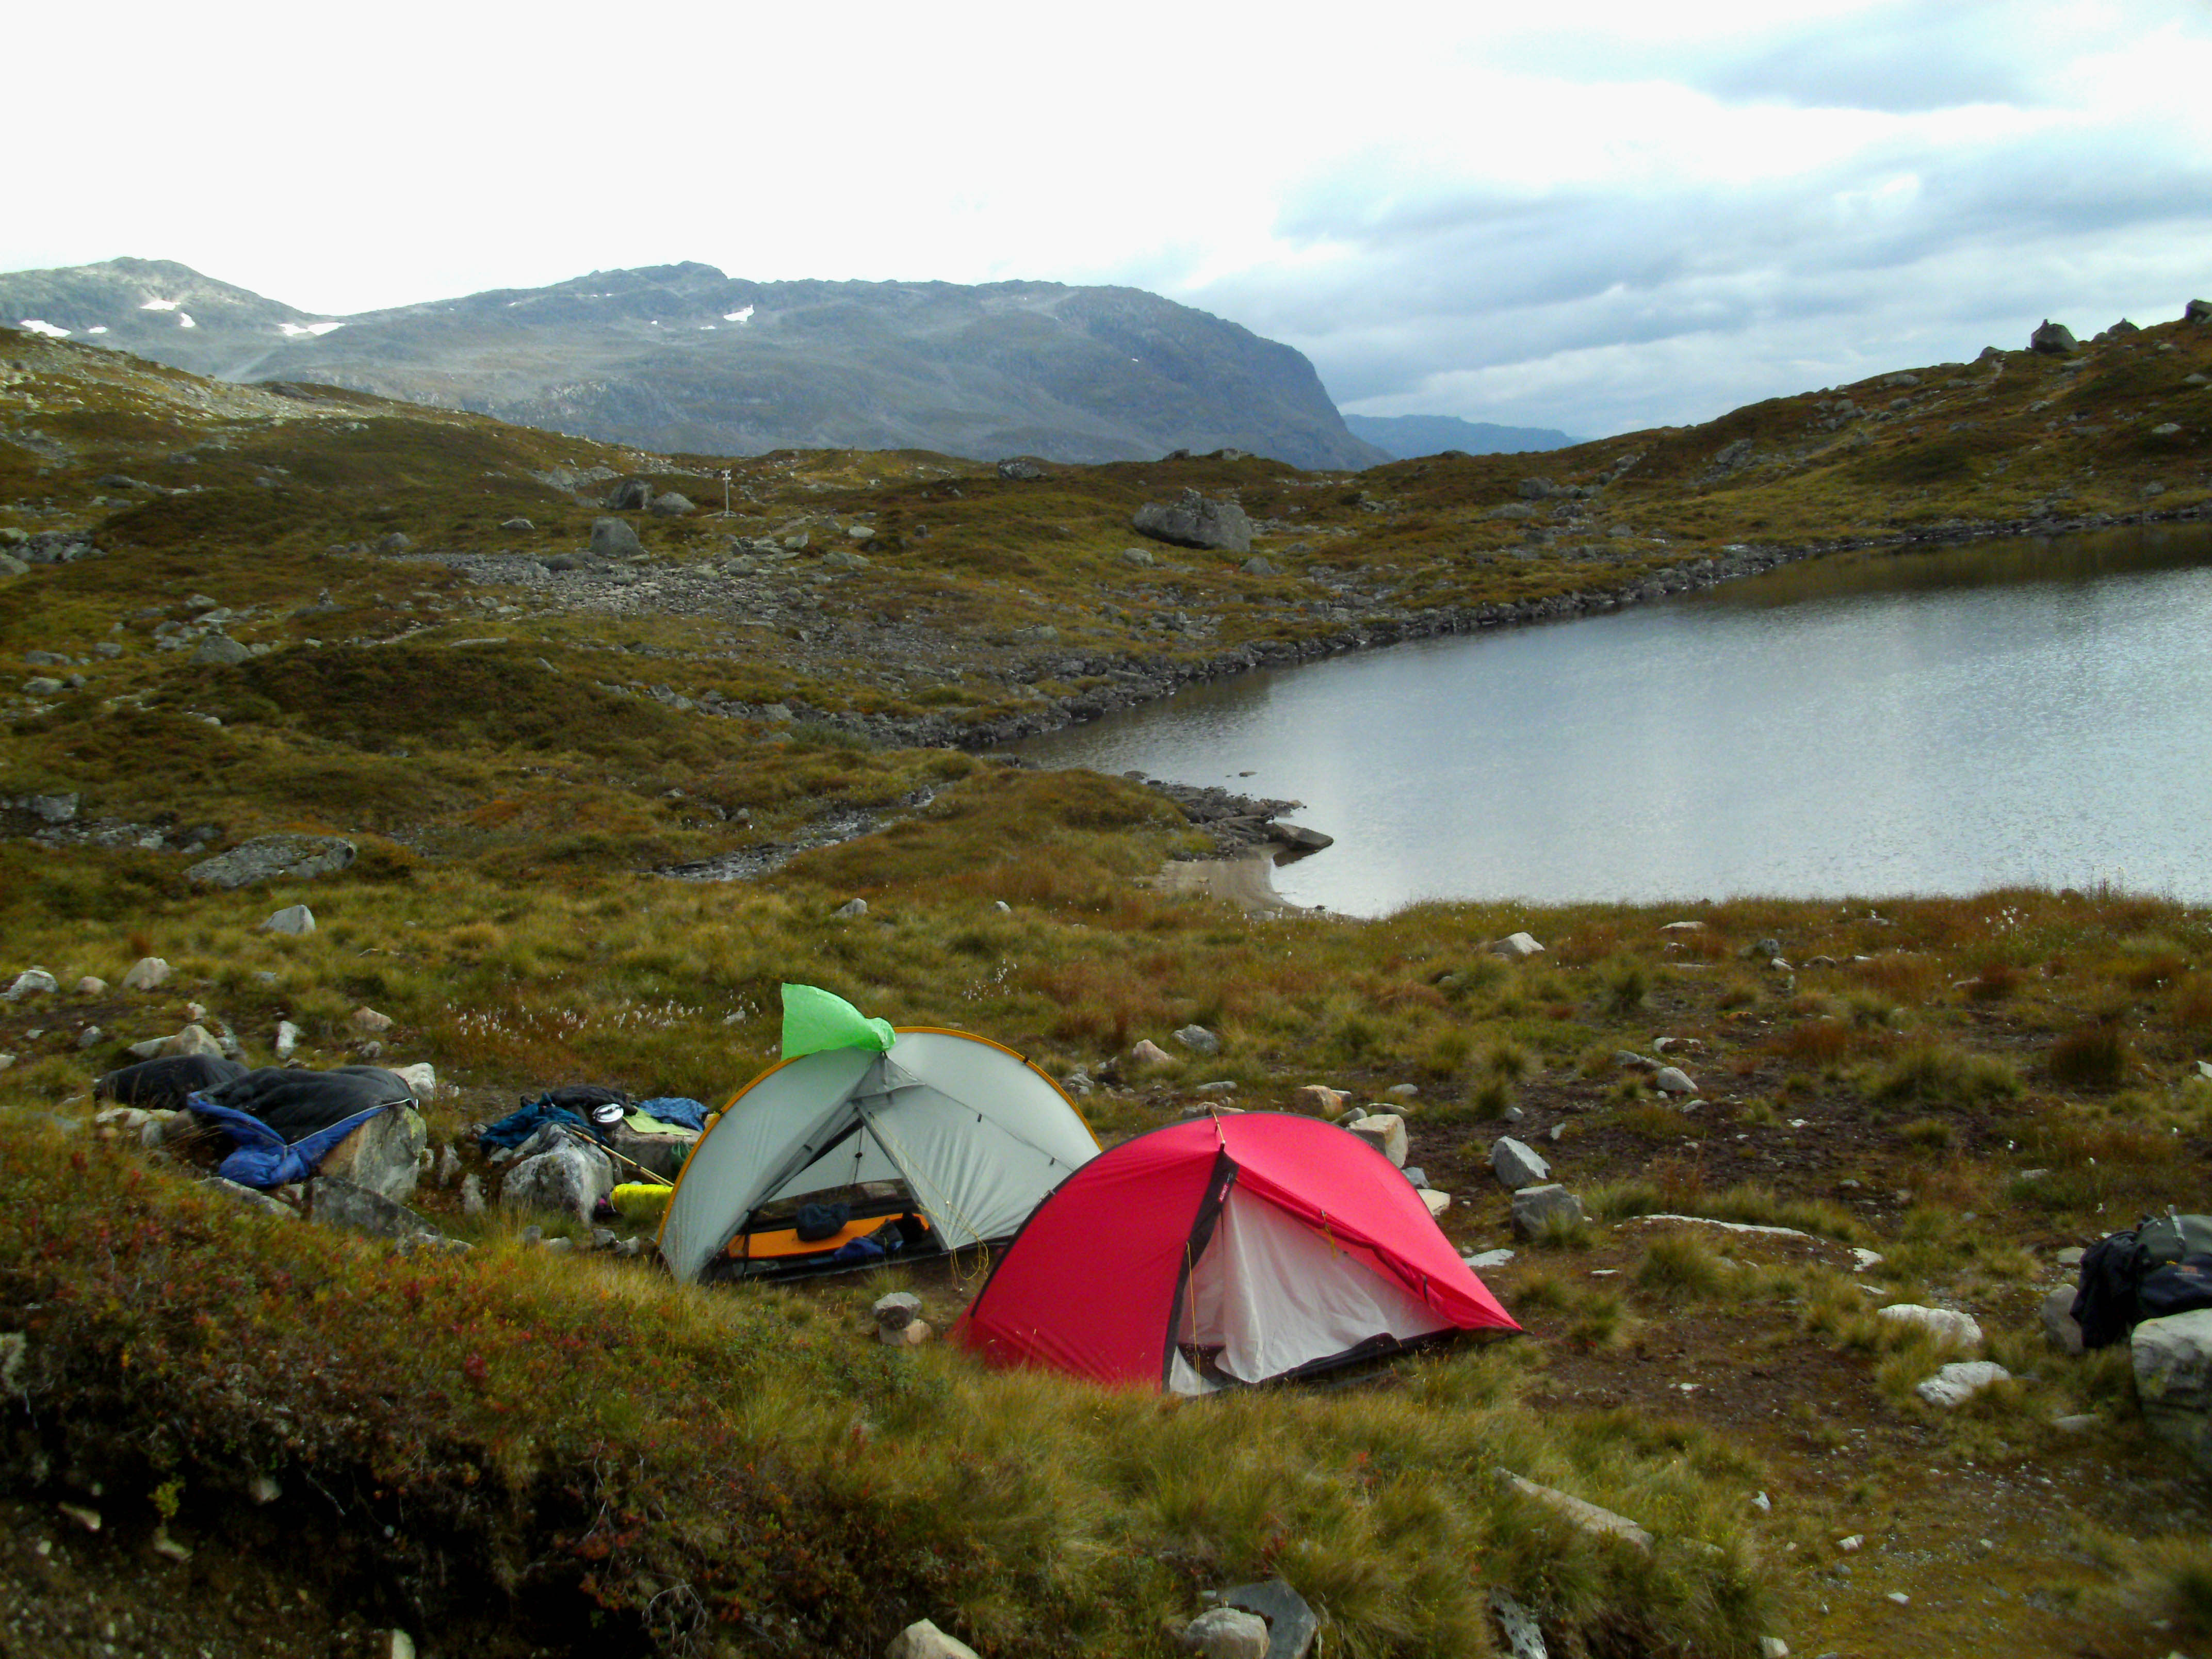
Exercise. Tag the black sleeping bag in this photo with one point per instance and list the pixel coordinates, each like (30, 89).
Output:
(296, 1103)
(160, 1085)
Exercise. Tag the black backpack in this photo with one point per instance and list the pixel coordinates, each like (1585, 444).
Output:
(2109, 1304)
(2179, 1286)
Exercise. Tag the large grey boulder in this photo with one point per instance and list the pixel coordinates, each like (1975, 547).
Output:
(2053, 340)
(1196, 520)
(1517, 1165)
(296, 919)
(672, 505)
(629, 496)
(570, 1179)
(334, 1201)
(2173, 1381)
(2197, 311)
(384, 1155)
(1534, 1207)
(220, 649)
(613, 539)
(268, 858)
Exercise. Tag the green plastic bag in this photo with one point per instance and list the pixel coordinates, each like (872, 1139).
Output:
(814, 1020)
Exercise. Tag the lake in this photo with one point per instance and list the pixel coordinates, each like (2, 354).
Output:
(2034, 711)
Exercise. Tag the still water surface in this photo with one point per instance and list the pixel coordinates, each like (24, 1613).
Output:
(2024, 712)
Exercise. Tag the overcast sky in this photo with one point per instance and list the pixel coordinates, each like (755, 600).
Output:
(1651, 214)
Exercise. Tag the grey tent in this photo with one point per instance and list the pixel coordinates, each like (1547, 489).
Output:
(947, 1126)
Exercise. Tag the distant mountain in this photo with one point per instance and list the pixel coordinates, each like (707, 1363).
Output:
(1405, 436)
(682, 357)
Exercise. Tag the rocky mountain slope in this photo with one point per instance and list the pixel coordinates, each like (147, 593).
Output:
(684, 358)
(1408, 437)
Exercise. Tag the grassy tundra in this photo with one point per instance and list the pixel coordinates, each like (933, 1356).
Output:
(512, 1450)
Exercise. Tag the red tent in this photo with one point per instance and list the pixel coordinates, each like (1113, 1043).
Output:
(1225, 1250)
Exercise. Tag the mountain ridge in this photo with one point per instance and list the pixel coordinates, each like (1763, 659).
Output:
(684, 357)
(1410, 437)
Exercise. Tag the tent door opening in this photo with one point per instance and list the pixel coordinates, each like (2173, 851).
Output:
(1269, 1295)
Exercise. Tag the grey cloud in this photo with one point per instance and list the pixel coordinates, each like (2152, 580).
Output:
(1902, 60)
(1487, 280)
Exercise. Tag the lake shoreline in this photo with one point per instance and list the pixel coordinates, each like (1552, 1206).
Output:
(1147, 680)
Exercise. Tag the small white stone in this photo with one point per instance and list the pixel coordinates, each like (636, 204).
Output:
(1851, 1545)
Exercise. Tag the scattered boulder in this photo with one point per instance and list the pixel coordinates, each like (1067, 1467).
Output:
(1292, 1624)
(335, 1201)
(1385, 1132)
(1535, 1206)
(1960, 1381)
(1319, 1098)
(664, 1155)
(923, 1640)
(383, 1156)
(2060, 1328)
(1672, 1080)
(1947, 1324)
(287, 1040)
(1524, 1639)
(629, 496)
(516, 524)
(247, 1195)
(147, 973)
(31, 982)
(852, 908)
(673, 505)
(366, 1021)
(1020, 470)
(899, 1323)
(613, 539)
(192, 1040)
(1149, 1053)
(1139, 558)
(91, 985)
(219, 649)
(1517, 1165)
(268, 858)
(571, 1179)
(295, 920)
(1516, 947)
(2197, 311)
(2053, 340)
(1199, 1040)
(1196, 520)
(1226, 1633)
(2172, 1360)
(421, 1078)
(1588, 1517)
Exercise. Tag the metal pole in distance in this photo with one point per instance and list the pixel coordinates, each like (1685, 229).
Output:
(725, 492)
